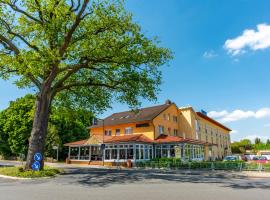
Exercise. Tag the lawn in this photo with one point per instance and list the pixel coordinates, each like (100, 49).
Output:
(19, 172)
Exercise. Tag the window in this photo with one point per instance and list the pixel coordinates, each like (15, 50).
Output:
(169, 131)
(130, 153)
(175, 119)
(107, 154)
(205, 128)
(175, 132)
(108, 132)
(142, 125)
(169, 117)
(161, 129)
(117, 131)
(197, 124)
(164, 116)
(128, 130)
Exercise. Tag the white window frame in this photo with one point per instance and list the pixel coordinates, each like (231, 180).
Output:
(160, 127)
(108, 130)
(116, 131)
(127, 131)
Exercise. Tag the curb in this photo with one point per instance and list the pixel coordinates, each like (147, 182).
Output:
(16, 178)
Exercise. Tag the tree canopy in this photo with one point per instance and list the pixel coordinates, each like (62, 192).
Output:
(16, 122)
(90, 53)
(243, 145)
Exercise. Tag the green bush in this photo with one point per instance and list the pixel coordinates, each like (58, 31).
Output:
(176, 163)
(20, 172)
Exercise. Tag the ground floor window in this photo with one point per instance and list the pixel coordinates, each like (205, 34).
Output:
(96, 153)
(119, 152)
(74, 152)
(125, 152)
(84, 153)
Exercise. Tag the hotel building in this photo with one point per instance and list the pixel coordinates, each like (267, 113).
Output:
(153, 132)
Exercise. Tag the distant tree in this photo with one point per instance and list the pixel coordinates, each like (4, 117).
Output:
(268, 142)
(65, 125)
(85, 53)
(257, 140)
(16, 124)
(5, 150)
(241, 146)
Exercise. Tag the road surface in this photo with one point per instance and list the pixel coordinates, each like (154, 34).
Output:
(109, 184)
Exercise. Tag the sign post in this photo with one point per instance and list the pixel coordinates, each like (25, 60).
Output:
(56, 148)
(36, 165)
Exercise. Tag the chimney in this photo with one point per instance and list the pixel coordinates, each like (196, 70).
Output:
(168, 102)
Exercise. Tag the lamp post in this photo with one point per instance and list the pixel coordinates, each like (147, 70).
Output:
(103, 133)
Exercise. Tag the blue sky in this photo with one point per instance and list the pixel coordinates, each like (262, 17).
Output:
(221, 59)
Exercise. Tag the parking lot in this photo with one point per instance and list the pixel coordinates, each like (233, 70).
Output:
(94, 183)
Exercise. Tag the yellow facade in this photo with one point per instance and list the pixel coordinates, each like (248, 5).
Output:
(181, 122)
(206, 131)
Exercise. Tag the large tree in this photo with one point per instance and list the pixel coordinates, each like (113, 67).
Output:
(77, 53)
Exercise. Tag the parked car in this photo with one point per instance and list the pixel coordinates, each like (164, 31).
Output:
(232, 158)
(260, 159)
(244, 158)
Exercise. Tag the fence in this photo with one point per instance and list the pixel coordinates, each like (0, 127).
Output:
(218, 165)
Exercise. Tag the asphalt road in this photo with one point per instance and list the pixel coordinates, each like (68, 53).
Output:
(89, 183)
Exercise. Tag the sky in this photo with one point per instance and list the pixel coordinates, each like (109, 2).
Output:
(221, 60)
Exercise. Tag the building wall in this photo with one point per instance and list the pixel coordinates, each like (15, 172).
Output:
(214, 134)
(152, 131)
(185, 123)
(188, 125)
(166, 120)
(147, 131)
(205, 131)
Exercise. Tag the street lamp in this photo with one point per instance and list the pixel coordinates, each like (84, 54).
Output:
(102, 146)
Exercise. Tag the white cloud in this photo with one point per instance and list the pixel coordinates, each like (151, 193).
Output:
(250, 39)
(209, 54)
(234, 131)
(225, 116)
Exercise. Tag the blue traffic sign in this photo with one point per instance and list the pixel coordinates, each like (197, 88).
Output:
(38, 157)
(36, 166)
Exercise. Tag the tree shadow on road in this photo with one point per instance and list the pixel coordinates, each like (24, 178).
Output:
(105, 177)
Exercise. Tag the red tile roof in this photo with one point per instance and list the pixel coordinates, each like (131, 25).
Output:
(168, 139)
(213, 121)
(129, 138)
(141, 138)
(76, 143)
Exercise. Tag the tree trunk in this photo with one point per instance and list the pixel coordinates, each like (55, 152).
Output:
(39, 129)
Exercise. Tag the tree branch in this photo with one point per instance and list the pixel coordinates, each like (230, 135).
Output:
(71, 70)
(68, 36)
(10, 44)
(87, 84)
(39, 11)
(15, 49)
(14, 7)
(9, 30)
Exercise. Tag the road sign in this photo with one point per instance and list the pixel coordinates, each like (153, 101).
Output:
(38, 157)
(55, 147)
(36, 166)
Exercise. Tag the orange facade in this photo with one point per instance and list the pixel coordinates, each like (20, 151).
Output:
(154, 129)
